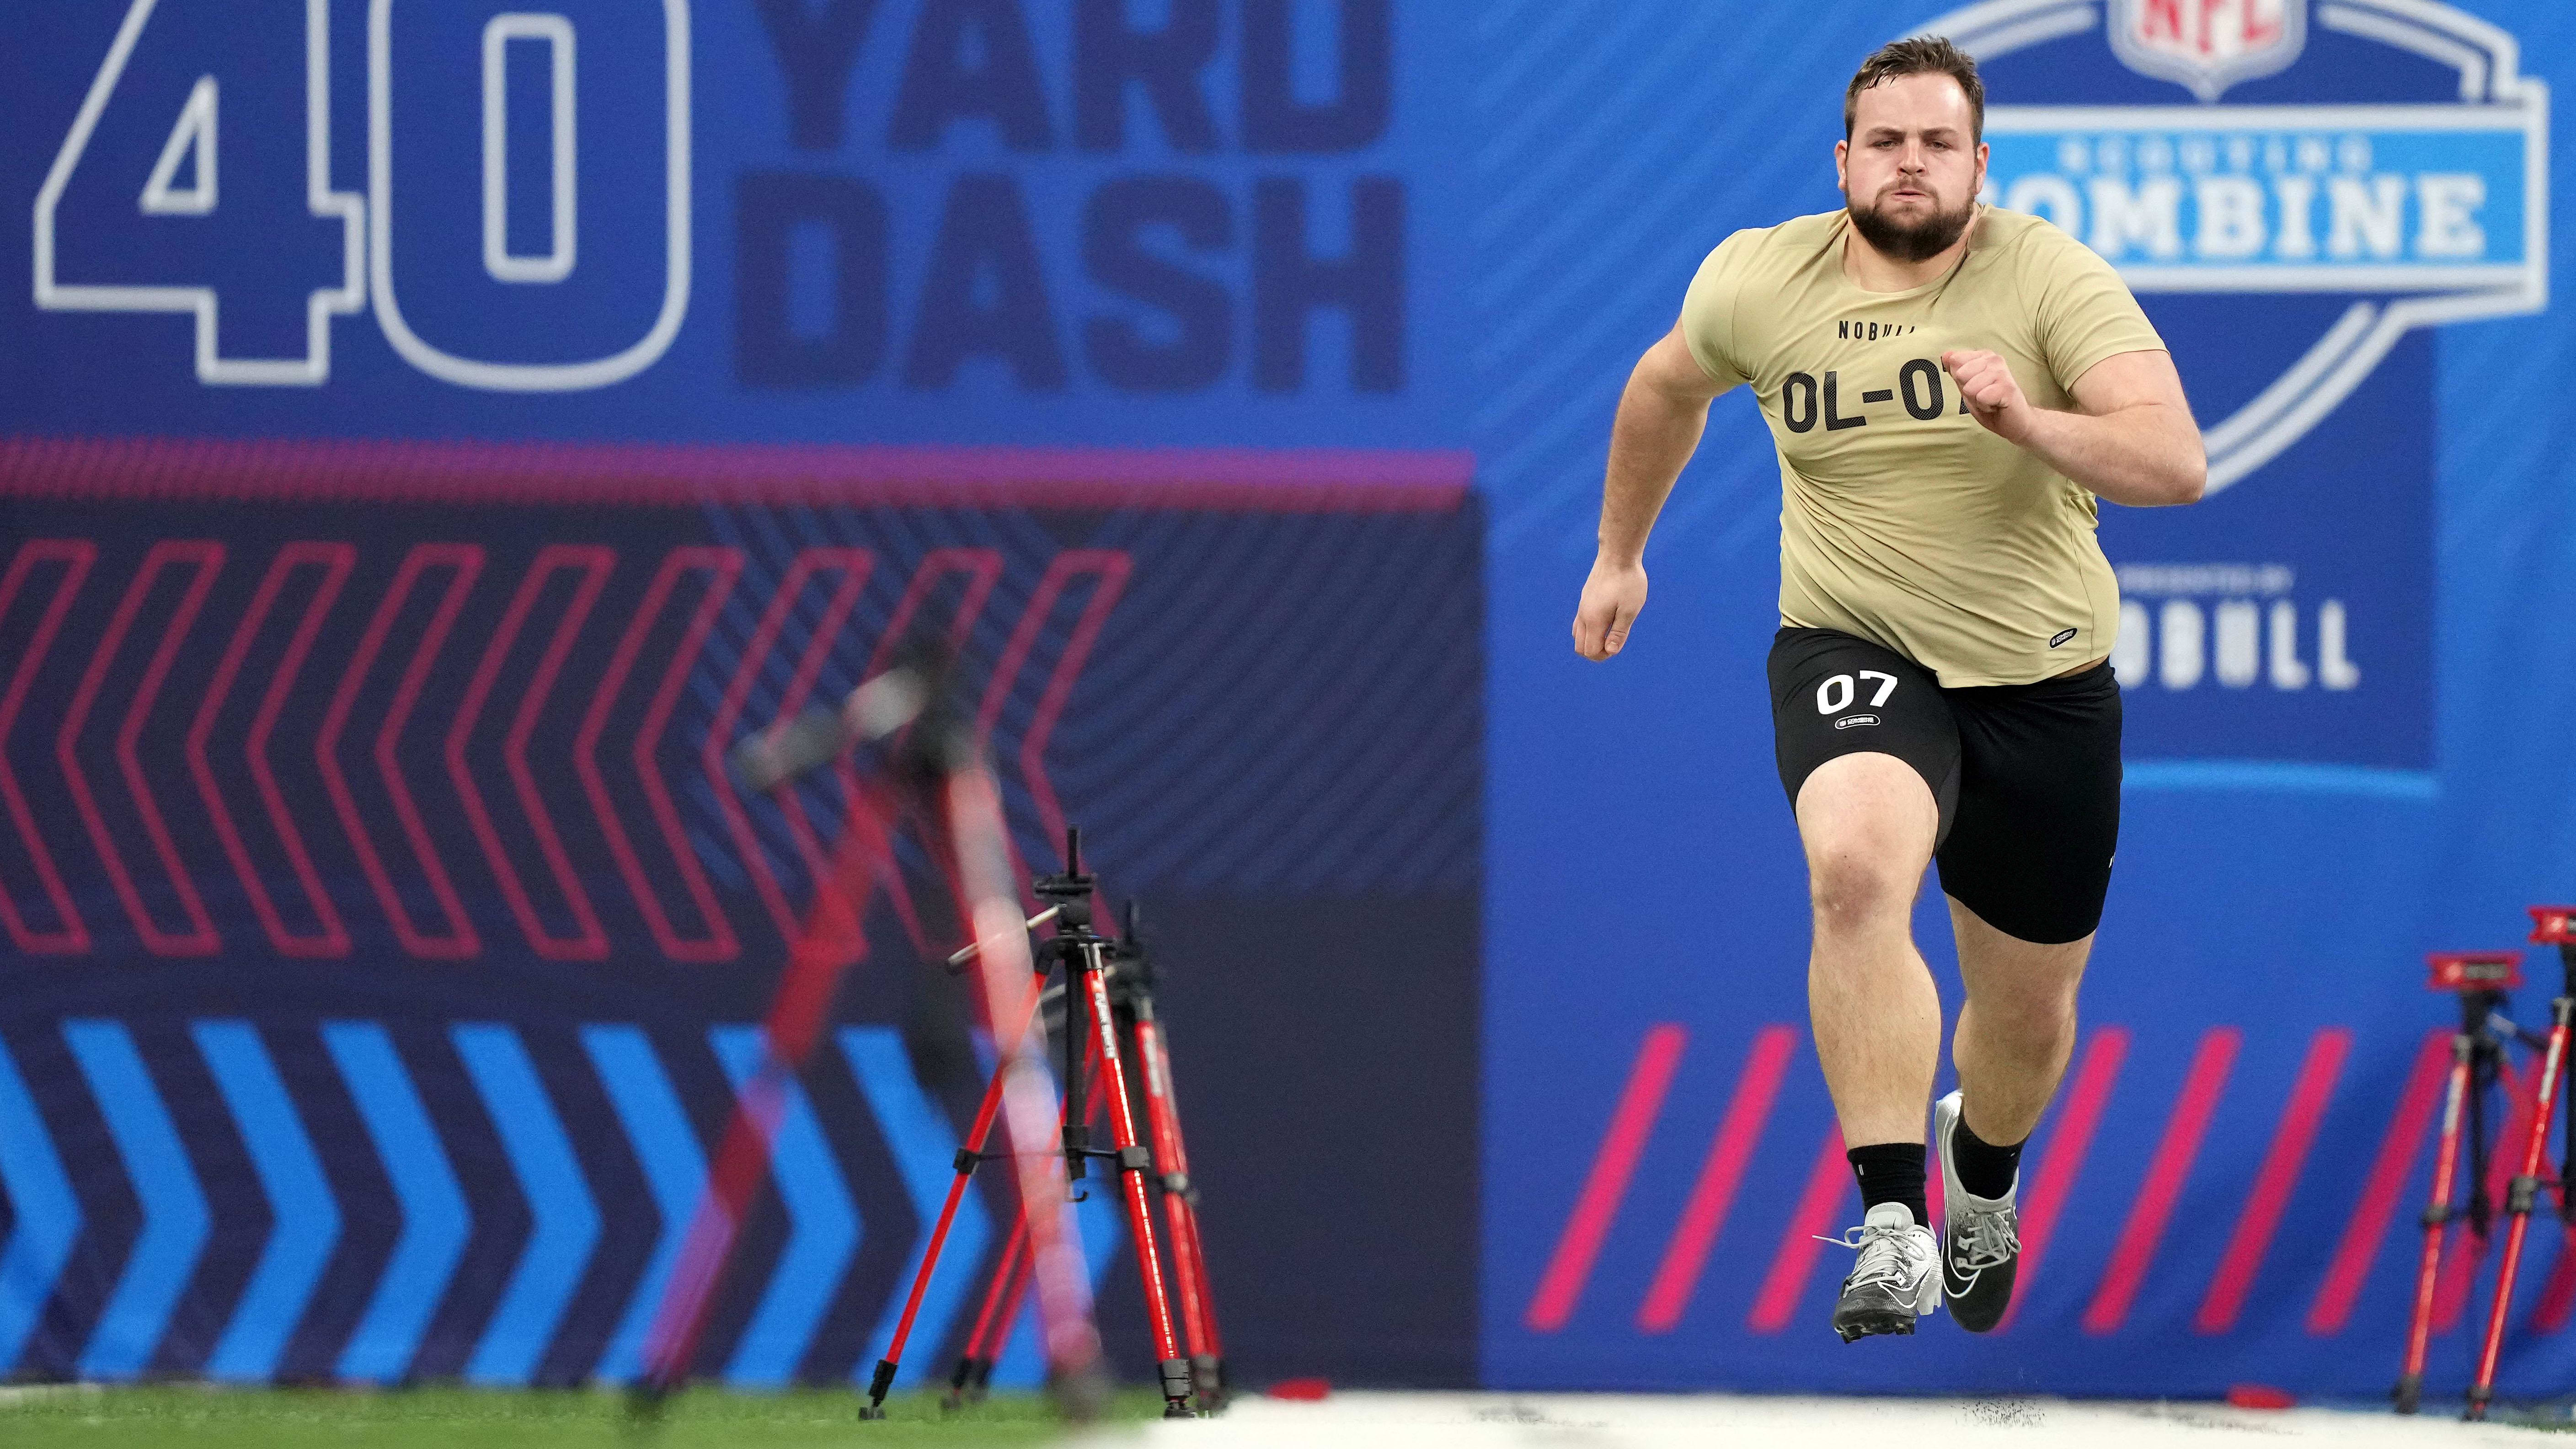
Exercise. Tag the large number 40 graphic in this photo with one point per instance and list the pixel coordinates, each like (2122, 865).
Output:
(106, 239)
(196, 142)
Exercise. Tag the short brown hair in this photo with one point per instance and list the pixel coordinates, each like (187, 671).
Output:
(1918, 55)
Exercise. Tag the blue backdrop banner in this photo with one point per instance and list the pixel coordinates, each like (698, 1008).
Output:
(429, 435)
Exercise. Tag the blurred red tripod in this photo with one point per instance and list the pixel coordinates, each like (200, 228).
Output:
(938, 762)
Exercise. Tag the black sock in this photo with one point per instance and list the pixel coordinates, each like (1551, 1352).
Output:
(1984, 1169)
(1891, 1172)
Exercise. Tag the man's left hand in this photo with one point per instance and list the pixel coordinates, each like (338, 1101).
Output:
(1992, 393)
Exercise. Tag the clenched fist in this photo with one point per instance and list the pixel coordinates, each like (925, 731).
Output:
(1612, 598)
(1992, 393)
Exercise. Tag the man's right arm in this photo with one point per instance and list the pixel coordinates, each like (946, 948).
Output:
(1661, 416)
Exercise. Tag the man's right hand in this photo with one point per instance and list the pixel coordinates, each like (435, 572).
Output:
(1612, 599)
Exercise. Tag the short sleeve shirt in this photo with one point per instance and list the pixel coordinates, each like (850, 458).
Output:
(1903, 520)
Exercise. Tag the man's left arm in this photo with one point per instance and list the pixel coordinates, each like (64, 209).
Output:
(2132, 439)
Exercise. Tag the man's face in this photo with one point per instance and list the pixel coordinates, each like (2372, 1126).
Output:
(1911, 170)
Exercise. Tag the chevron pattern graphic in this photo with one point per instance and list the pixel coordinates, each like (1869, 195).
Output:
(284, 734)
(221, 1272)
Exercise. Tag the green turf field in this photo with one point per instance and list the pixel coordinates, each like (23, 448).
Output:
(170, 1417)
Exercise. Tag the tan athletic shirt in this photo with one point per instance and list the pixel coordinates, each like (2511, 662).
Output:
(1903, 520)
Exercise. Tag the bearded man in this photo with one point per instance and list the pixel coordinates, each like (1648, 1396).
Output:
(1951, 387)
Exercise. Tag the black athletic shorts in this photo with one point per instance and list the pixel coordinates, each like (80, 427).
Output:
(2027, 775)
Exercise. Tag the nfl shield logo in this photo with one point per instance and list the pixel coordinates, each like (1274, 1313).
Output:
(2208, 45)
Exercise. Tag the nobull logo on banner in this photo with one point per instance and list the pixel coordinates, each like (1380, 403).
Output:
(2292, 244)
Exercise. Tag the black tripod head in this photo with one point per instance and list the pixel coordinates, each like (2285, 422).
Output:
(1069, 891)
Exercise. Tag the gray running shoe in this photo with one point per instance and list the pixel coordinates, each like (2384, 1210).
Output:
(1892, 1284)
(1980, 1237)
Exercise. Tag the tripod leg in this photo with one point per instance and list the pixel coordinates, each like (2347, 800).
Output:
(1003, 1328)
(2487, 1070)
(968, 1157)
(1134, 1162)
(1180, 1203)
(2525, 1189)
(2437, 1224)
(1006, 1273)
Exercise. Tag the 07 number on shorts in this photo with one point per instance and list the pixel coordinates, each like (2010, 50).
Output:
(1835, 694)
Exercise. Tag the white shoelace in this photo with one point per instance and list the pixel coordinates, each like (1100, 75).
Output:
(1887, 1255)
(1984, 1238)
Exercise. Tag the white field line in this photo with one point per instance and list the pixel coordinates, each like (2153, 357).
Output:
(1576, 1421)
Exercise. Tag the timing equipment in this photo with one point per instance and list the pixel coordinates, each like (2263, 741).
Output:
(1109, 1021)
(936, 765)
(2478, 1064)
(2480, 979)
(2550, 926)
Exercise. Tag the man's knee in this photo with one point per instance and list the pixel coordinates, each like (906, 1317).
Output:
(1868, 821)
(1854, 886)
(2030, 1023)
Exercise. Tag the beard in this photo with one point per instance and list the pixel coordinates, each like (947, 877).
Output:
(1913, 241)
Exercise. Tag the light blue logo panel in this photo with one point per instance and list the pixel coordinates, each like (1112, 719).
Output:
(2284, 198)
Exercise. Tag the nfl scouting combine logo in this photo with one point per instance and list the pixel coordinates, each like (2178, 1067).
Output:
(2297, 192)
(2208, 47)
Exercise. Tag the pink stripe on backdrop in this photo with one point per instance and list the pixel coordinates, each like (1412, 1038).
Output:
(2166, 1172)
(1631, 1122)
(2273, 1183)
(2068, 1142)
(1292, 480)
(1828, 1183)
(1755, 1091)
(2368, 1229)
(2558, 1297)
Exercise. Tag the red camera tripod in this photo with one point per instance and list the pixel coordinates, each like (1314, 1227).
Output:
(2481, 979)
(1131, 994)
(1108, 997)
(2550, 926)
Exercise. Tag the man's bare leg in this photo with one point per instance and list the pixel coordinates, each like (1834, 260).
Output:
(1868, 822)
(2016, 1028)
